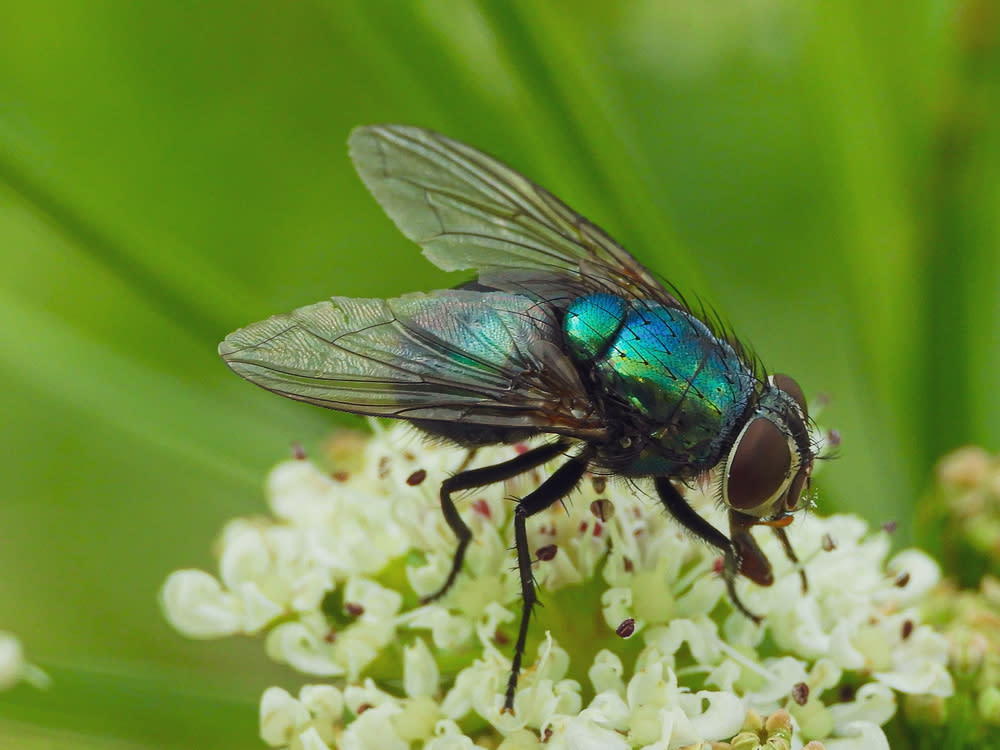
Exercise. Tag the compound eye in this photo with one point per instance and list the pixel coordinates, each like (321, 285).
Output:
(758, 466)
(793, 389)
(798, 485)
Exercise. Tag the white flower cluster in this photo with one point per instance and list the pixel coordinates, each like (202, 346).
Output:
(638, 646)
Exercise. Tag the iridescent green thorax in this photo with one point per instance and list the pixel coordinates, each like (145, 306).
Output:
(591, 324)
(669, 368)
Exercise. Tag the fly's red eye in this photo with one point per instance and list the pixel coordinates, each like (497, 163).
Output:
(795, 489)
(793, 389)
(758, 465)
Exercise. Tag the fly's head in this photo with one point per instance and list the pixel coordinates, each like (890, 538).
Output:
(771, 460)
(767, 470)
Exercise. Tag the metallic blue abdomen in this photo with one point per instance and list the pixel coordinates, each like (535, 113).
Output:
(670, 369)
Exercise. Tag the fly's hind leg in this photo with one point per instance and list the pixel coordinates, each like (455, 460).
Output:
(563, 481)
(482, 477)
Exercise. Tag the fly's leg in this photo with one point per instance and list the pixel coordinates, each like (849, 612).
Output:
(467, 460)
(790, 554)
(563, 481)
(480, 478)
(733, 563)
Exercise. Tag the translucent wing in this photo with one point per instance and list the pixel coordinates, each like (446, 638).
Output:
(457, 356)
(468, 210)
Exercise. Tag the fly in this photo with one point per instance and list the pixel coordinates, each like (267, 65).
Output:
(562, 334)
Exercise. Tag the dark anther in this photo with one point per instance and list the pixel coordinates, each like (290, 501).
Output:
(547, 552)
(800, 693)
(602, 509)
(626, 628)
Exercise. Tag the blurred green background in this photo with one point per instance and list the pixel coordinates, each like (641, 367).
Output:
(826, 174)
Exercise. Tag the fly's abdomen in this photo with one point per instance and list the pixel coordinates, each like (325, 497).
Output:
(670, 370)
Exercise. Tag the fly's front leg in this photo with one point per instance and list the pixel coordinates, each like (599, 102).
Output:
(487, 475)
(790, 554)
(737, 554)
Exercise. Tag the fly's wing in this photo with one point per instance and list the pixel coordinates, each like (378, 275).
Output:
(457, 356)
(469, 211)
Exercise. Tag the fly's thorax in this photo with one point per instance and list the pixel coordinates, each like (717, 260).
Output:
(771, 459)
(592, 323)
(664, 371)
